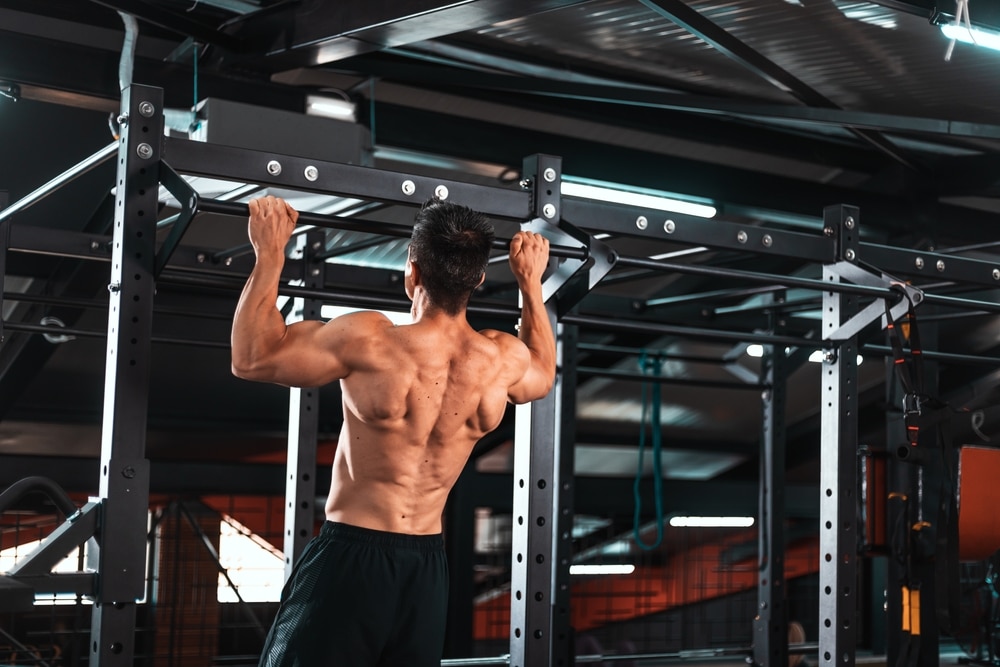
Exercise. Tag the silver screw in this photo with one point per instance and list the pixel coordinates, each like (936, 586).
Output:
(828, 231)
(201, 257)
(128, 472)
(229, 261)
(274, 167)
(315, 272)
(767, 240)
(741, 237)
(409, 188)
(849, 223)
(525, 183)
(669, 226)
(849, 254)
(919, 262)
(549, 175)
(311, 173)
(829, 357)
(996, 274)
(549, 211)
(144, 150)
(641, 222)
(94, 245)
(940, 265)
(441, 192)
(146, 109)
(918, 297)
(114, 288)
(123, 119)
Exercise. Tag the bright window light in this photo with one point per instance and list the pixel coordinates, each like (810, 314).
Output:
(711, 521)
(13, 555)
(329, 312)
(757, 351)
(621, 194)
(620, 568)
(985, 38)
(255, 567)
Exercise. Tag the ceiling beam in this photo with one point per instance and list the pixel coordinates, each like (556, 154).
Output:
(180, 24)
(295, 35)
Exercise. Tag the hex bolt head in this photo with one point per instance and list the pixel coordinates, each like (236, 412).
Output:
(274, 167)
(201, 257)
(114, 288)
(441, 192)
(315, 272)
(525, 183)
(146, 109)
(549, 211)
(549, 175)
(311, 173)
(94, 245)
(229, 261)
(996, 274)
(669, 226)
(144, 150)
(829, 356)
(741, 237)
(128, 472)
(122, 119)
(828, 231)
(940, 265)
(849, 222)
(849, 254)
(767, 240)
(641, 222)
(919, 262)
(408, 188)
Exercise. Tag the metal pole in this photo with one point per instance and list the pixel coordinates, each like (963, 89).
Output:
(838, 460)
(71, 174)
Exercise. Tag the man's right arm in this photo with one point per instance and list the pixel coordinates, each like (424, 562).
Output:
(529, 255)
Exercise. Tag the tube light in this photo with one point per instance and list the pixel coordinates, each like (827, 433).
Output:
(986, 38)
(329, 107)
(620, 568)
(711, 521)
(616, 195)
(757, 351)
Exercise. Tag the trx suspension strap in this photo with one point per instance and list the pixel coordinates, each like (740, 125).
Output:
(914, 397)
(650, 366)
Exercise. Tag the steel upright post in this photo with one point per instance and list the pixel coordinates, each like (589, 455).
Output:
(303, 426)
(838, 456)
(124, 474)
(770, 638)
(542, 525)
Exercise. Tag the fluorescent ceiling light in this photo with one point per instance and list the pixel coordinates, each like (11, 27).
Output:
(620, 568)
(711, 521)
(622, 194)
(986, 38)
(330, 107)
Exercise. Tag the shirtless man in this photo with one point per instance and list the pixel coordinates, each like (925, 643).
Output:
(371, 588)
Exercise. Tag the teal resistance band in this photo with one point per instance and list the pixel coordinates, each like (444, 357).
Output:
(650, 366)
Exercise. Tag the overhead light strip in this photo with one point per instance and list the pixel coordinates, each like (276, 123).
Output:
(621, 194)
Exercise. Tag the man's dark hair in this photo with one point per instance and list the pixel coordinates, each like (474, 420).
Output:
(451, 245)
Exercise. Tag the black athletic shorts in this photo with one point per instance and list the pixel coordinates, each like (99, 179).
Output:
(360, 598)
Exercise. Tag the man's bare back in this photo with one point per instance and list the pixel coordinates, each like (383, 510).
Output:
(416, 397)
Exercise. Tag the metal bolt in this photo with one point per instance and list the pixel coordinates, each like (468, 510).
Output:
(641, 222)
(229, 261)
(741, 237)
(763, 605)
(316, 245)
(274, 167)
(549, 175)
(849, 254)
(549, 211)
(612, 257)
(409, 188)
(144, 150)
(441, 192)
(996, 274)
(315, 272)
(767, 240)
(940, 265)
(146, 109)
(828, 231)
(919, 262)
(849, 223)
(765, 395)
(311, 173)
(918, 297)
(94, 245)
(829, 356)
(128, 472)
(669, 226)
(122, 119)
(201, 257)
(525, 183)
(114, 288)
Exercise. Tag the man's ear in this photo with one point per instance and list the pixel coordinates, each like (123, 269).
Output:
(482, 279)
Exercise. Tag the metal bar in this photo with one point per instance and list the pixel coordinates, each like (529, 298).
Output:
(179, 24)
(192, 157)
(188, 199)
(34, 484)
(77, 529)
(124, 476)
(935, 265)
(838, 461)
(71, 174)
(89, 333)
(682, 382)
(930, 355)
(303, 424)
(770, 638)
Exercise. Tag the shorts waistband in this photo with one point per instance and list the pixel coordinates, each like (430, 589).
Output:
(380, 538)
